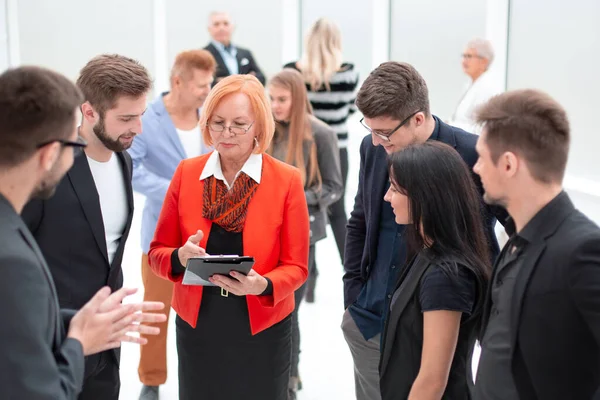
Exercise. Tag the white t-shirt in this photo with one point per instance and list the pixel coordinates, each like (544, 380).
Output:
(191, 141)
(110, 184)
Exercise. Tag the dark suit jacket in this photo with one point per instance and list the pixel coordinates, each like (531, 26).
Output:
(363, 225)
(70, 231)
(246, 63)
(37, 360)
(555, 315)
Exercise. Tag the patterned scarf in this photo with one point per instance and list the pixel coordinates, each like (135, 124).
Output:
(228, 207)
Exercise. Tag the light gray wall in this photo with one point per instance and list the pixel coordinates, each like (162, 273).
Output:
(555, 46)
(354, 17)
(3, 36)
(65, 34)
(431, 35)
(257, 28)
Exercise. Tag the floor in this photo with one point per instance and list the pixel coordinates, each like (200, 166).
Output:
(325, 365)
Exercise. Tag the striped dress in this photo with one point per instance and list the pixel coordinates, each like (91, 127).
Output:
(335, 106)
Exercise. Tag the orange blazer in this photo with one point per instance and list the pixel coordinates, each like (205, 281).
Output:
(276, 234)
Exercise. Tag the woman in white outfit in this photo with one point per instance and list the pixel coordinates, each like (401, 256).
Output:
(476, 60)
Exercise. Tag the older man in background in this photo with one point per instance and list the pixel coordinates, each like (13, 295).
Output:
(231, 59)
(476, 61)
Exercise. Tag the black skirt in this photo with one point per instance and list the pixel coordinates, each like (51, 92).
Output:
(220, 358)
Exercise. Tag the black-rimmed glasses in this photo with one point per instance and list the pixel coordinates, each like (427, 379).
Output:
(218, 127)
(387, 135)
(77, 145)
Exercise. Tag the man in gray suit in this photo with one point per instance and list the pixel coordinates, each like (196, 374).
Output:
(42, 348)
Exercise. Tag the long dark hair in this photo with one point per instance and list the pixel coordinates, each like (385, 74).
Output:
(443, 204)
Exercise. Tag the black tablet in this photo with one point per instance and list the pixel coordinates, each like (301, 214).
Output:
(199, 269)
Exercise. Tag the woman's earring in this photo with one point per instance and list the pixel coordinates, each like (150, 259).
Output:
(255, 142)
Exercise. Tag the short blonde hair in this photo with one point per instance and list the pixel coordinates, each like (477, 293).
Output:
(264, 123)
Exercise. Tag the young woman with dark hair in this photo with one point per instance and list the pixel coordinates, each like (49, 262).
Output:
(435, 310)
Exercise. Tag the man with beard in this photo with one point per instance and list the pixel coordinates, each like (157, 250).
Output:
(171, 134)
(42, 348)
(82, 229)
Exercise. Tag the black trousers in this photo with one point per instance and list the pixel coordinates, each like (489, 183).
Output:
(337, 211)
(103, 383)
(221, 359)
(299, 295)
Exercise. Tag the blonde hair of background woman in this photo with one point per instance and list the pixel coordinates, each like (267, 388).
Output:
(322, 56)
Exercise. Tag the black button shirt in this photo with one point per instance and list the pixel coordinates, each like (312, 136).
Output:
(494, 376)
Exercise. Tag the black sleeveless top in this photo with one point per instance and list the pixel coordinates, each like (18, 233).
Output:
(426, 286)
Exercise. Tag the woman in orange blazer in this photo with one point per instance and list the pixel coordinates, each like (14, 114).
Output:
(234, 339)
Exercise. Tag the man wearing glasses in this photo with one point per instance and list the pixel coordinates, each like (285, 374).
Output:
(375, 246)
(82, 229)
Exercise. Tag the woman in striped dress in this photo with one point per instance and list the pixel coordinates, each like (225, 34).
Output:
(331, 85)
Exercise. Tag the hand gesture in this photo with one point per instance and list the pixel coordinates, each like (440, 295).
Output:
(191, 248)
(241, 284)
(104, 322)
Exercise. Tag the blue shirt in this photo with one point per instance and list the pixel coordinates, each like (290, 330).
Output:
(229, 56)
(370, 308)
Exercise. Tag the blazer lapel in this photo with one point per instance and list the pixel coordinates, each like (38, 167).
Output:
(82, 181)
(127, 176)
(171, 131)
(218, 58)
(406, 289)
(553, 215)
(126, 168)
(240, 57)
(445, 135)
(33, 245)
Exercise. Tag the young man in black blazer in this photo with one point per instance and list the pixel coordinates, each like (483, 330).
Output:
(42, 347)
(395, 103)
(231, 60)
(541, 322)
(83, 228)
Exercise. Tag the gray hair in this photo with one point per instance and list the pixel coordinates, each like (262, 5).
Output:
(217, 12)
(483, 47)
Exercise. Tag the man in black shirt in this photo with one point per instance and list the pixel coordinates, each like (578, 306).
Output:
(541, 322)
